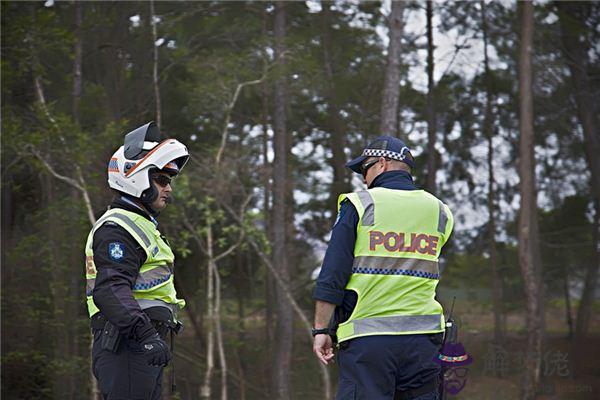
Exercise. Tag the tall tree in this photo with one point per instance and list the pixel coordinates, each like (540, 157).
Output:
(488, 131)
(576, 47)
(282, 346)
(391, 88)
(528, 225)
(155, 81)
(431, 118)
(77, 61)
(337, 139)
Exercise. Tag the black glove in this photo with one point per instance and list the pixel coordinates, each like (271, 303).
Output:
(156, 351)
(154, 347)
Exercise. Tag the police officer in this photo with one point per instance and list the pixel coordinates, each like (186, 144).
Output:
(378, 281)
(131, 296)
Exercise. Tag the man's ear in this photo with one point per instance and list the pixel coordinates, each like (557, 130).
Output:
(383, 161)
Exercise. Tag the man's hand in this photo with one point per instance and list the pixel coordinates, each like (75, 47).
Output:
(156, 351)
(323, 348)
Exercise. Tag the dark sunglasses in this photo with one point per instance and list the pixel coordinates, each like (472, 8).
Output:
(162, 180)
(365, 167)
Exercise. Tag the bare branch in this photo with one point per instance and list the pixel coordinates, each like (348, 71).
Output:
(72, 182)
(228, 111)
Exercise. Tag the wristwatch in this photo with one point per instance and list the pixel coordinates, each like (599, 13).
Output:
(321, 331)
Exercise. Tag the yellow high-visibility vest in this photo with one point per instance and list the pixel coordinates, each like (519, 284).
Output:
(154, 285)
(399, 237)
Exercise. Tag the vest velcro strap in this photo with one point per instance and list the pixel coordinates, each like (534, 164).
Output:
(443, 218)
(390, 265)
(398, 323)
(368, 204)
(154, 277)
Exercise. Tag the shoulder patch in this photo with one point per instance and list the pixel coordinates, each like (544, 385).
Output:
(116, 251)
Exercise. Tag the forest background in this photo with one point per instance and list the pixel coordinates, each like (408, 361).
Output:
(498, 100)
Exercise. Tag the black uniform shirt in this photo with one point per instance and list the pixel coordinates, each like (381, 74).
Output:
(118, 258)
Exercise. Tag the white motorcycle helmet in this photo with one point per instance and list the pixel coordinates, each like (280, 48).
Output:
(143, 152)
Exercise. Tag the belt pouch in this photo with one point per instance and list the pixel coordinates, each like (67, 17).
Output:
(111, 338)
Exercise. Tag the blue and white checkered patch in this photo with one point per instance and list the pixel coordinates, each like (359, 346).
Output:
(393, 271)
(394, 155)
(116, 251)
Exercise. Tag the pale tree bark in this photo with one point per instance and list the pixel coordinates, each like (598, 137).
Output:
(155, 81)
(488, 131)
(391, 86)
(576, 45)
(528, 227)
(337, 138)
(431, 117)
(282, 345)
(205, 388)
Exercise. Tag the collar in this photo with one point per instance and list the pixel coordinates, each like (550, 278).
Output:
(127, 203)
(399, 180)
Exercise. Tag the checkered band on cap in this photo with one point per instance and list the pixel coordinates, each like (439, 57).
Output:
(394, 155)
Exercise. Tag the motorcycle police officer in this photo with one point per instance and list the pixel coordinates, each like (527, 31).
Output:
(131, 296)
(378, 282)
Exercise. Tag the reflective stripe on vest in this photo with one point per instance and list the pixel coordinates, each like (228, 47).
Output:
(368, 204)
(442, 218)
(147, 303)
(154, 277)
(127, 221)
(398, 323)
(396, 266)
(145, 280)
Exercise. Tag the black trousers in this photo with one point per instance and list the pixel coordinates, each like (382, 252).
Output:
(125, 375)
(376, 367)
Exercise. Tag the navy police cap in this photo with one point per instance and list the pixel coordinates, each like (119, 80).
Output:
(383, 146)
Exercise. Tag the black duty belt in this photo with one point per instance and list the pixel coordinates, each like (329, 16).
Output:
(98, 322)
(412, 393)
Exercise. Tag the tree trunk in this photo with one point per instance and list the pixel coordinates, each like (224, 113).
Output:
(242, 294)
(391, 87)
(77, 74)
(267, 174)
(572, 16)
(282, 346)
(337, 140)
(77, 94)
(488, 131)
(528, 229)
(431, 118)
(205, 389)
(155, 82)
(219, 330)
(568, 314)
